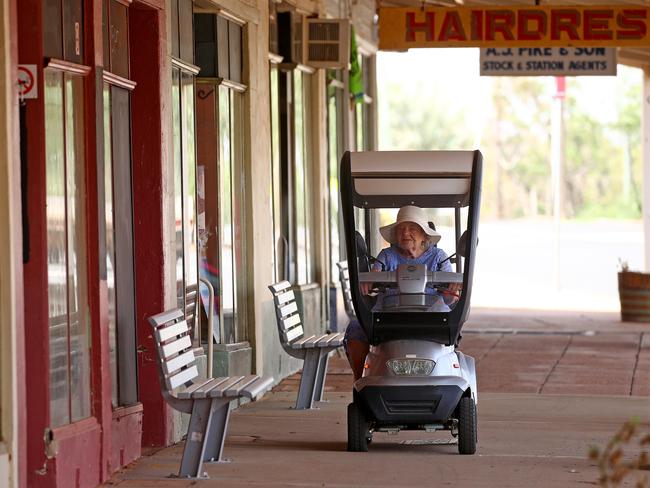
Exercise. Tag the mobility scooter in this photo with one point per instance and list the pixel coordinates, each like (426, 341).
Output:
(414, 377)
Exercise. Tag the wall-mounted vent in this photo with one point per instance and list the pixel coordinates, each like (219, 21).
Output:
(326, 43)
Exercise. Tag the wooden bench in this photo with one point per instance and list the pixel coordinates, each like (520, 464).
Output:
(344, 278)
(314, 350)
(207, 400)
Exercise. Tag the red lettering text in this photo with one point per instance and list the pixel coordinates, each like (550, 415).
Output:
(452, 28)
(526, 32)
(477, 25)
(632, 23)
(596, 24)
(567, 21)
(499, 21)
(427, 26)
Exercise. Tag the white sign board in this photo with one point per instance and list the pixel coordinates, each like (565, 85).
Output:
(548, 61)
(27, 81)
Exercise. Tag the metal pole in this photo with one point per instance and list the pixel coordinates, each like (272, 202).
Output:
(458, 256)
(210, 318)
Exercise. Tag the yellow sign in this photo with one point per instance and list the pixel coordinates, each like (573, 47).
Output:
(548, 26)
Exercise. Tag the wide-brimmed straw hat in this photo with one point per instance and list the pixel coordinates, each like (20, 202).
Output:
(409, 213)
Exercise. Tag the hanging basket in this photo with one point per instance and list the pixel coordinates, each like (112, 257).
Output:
(634, 294)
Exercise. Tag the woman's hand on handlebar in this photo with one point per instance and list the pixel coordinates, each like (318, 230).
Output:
(366, 287)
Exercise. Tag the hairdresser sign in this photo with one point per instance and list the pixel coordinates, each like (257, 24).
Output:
(531, 26)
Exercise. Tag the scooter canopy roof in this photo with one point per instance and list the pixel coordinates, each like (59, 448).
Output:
(424, 178)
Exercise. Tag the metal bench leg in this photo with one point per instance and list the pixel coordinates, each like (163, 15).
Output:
(320, 379)
(308, 379)
(217, 430)
(192, 463)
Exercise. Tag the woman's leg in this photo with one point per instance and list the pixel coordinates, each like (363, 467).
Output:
(357, 352)
(356, 347)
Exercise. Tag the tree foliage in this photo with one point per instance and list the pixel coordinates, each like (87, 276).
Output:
(602, 154)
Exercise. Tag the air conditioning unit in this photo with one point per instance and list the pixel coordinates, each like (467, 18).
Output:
(325, 42)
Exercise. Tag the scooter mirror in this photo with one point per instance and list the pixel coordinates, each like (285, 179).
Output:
(462, 248)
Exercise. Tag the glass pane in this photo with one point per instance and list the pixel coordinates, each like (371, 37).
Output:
(333, 155)
(110, 244)
(190, 231)
(306, 128)
(77, 276)
(239, 265)
(278, 245)
(299, 180)
(228, 300)
(119, 41)
(178, 186)
(56, 247)
(358, 121)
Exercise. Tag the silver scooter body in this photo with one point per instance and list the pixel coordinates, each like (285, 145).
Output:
(415, 401)
(414, 384)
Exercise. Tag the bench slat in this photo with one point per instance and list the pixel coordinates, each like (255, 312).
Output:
(290, 321)
(278, 287)
(240, 385)
(186, 393)
(203, 389)
(178, 362)
(291, 335)
(259, 386)
(164, 317)
(182, 377)
(287, 309)
(285, 297)
(312, 342)
(176, 346)
(165, 333)
(218, 391)
(331, 340)
(299, 344)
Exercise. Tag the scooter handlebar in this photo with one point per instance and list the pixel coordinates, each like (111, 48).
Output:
(433, 277)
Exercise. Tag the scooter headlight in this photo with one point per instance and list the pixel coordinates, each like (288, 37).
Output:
(414, 367)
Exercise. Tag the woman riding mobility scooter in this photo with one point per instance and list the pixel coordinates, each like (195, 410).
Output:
(414, 377)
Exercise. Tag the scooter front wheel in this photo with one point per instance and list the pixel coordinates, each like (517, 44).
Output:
(358, 429)
(467, 426)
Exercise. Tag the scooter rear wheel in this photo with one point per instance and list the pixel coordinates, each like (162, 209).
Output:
(467, 426)
(358, 432)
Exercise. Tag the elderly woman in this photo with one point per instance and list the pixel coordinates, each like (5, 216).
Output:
(412, 242)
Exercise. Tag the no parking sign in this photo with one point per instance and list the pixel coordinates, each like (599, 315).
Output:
(27, 81)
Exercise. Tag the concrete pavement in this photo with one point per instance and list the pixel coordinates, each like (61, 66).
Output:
(550, 386)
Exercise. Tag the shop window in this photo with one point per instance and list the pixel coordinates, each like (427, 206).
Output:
(294, 220)
(69, 333)
(364, 107)
(118, 209)
(335, 148)
(304, 256)
(220, 172)
(184, 164)
(280, 243)
(185, 206)
(63, 30)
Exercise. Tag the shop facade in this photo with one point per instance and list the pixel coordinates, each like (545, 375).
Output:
(170, 147)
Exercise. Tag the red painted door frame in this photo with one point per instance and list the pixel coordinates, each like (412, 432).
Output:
(151, 117)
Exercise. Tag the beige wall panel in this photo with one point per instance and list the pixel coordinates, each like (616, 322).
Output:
(243, 10)
(10, 256)
(363, 14)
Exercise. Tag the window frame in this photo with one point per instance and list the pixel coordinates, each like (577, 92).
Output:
(68, 70)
